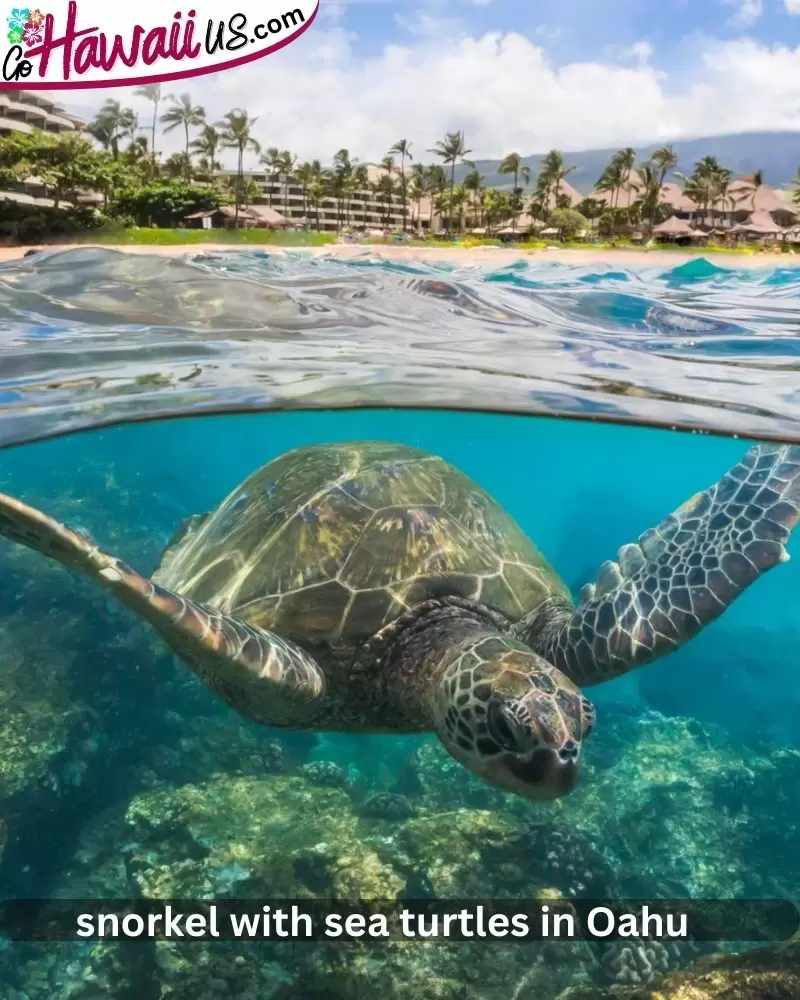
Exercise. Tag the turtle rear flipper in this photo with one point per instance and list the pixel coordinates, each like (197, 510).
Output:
(262, 676)
(680, 576)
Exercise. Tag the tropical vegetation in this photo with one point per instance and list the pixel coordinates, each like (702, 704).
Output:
(118, 158)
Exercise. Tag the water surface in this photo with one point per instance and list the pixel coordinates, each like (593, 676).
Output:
(96, 336)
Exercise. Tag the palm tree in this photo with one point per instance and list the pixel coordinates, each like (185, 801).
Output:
(184, 113)
(626, 158)
(617, 177)
(386, 186)
(286, 162)
(305, 175)
(236, 132)
(384, 189)
(271, 161)
(452, 149)
(473, 183)
(151, 92)
(749, 187)
(459, 199)
(111, 123)
(343, 168)
(359, 180)
(591, 209)
(664, 159)
(722, 192)
(250, 190)
(130, 128)
(178, 165)
(648, 186)
(552, 174)
(316, 192)
(498, 206)
(796, 186)
(611, 181)
(137, 150)
(708, 183)
(419, 188)
(513, 164)
(403, 148)
(207, 145)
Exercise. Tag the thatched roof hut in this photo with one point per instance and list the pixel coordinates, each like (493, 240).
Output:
(261, 216)
(524, 223)
(675, 228)
(268, 217)
(760, 223)
(745, 198)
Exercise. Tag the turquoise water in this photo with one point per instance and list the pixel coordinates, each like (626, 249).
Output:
(121, 776)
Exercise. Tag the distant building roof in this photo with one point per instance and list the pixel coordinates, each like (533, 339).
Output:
(269, 215)
(624, 197)
(673, 226)
(250, 213)
(744, 198)
(565, 188)
(672, 195)
(760, 222)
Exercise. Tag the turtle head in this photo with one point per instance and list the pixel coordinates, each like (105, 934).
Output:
(512, 718)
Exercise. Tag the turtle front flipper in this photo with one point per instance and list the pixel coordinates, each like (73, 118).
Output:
(680, 576)
(265, 678)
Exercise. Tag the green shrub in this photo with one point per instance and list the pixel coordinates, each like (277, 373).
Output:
(35, 224)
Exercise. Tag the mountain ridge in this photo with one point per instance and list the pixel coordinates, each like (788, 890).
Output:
(777, 154)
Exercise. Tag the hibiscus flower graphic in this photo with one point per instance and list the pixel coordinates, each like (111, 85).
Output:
(32, 34)
(18, 19)
(35, 18)
(15, 36)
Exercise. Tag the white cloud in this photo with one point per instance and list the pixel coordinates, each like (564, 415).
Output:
(792, 6)
(748, 11)
(318, 95)
(640, 52)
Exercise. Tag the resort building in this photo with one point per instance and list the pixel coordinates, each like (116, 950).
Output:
(362, 209)
(744, 205)
(22, 111)
(25, 110)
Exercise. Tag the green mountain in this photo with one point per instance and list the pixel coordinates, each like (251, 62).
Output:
(776, 153)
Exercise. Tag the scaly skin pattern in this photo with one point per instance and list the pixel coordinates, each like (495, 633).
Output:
(679, 577)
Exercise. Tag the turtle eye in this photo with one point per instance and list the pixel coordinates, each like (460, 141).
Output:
(506, 730)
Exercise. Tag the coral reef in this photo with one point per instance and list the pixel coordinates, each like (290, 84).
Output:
(762, 974)
(387, 805)
(642, 962)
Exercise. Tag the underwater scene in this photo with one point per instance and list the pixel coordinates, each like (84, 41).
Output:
(126, 775)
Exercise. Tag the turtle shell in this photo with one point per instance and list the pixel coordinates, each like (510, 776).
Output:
(332, 542)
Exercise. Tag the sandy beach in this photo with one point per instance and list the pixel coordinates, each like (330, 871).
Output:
(463, 255)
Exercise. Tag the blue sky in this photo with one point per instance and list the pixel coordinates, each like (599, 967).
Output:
(524, 76)
(575, 30)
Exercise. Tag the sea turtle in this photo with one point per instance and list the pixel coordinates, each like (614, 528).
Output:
(373, 587)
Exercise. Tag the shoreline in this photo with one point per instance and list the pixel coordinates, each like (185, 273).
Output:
(469, 255)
